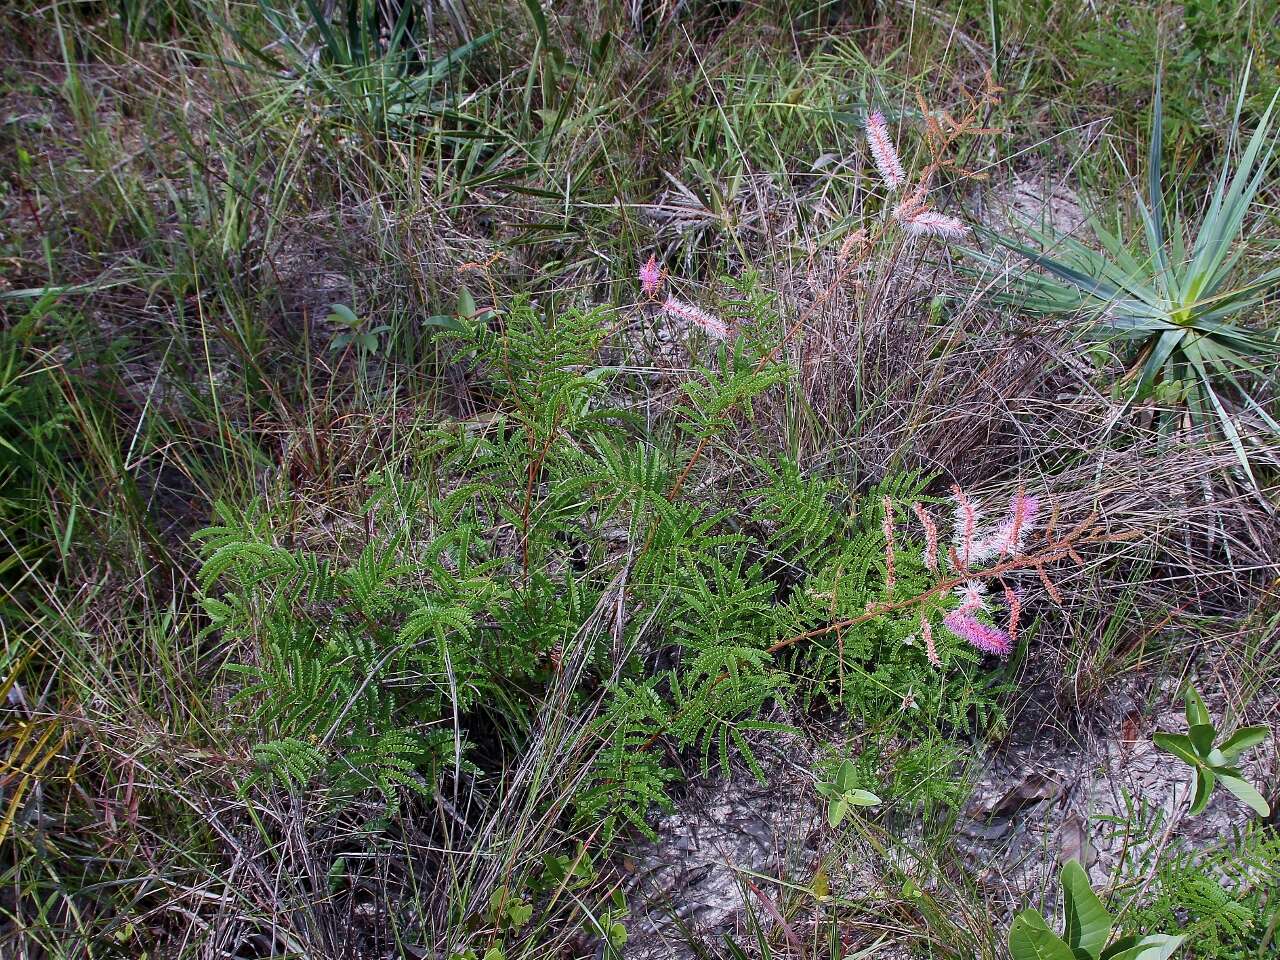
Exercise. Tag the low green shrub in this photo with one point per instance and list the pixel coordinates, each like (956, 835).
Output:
(550, 542)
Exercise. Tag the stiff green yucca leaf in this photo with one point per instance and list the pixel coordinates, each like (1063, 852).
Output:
(1172, 301)
(364, 74)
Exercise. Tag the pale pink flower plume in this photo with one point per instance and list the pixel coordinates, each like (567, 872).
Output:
(886, 525)
(966, 524)
(930, 649)
(986, 638)
(883, 152)
(919, 221)
(1011, 533)
(651, 278)
(930, 537)
(712, 325)
(973, 596)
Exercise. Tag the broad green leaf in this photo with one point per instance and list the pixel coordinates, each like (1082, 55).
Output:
(1197, 712)
(445, 322)
(862, 798)
(1157, 946)
(1245, 792)
(1246, 738)
(519, 913)
(1204, 789)
(1088, 924)
(1202, 736)
(341, 313)
(1119, 946)
(466, 304)
(1031, 939)
(1179, 744)
(617, 935)
(836, 811)
(846, 776)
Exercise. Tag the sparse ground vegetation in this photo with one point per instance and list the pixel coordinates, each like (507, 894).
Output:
(708, 478)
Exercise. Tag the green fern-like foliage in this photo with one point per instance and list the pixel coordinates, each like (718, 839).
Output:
(1223, 901)
(557, 535)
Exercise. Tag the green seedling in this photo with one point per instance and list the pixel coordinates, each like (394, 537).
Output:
(366, 341)
(1212, 762)
(841, 793)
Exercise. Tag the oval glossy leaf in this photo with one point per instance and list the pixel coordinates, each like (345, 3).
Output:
(1031, 939)
(1088, 922)
(341, 313)
(466, 304)
(445, 322)
(846, 775)
(1204, 789)
(862, 798)
(1202, 736)
(1157, 946)
(1120, 945)
(1246, 738)
(1245, 792)
(1179, 745)
(1197, 712)
(836, 811)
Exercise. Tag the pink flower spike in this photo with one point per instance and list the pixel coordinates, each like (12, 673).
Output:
(1008, 538)
(886, 525)
(920, 221)
(930, 649)
(712, 325)
(986, 638)
(651, 278)
(1022, 512)
(1014, 603)
(966, 524)
(930, 537)
(883, 152)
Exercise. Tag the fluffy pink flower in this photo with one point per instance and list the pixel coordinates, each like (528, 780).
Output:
(973, 596)
(919, 221)
(883, 152)
(1022, 515)
(651, 278)
(1008, 537)
(986, 638)
(712, 325)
